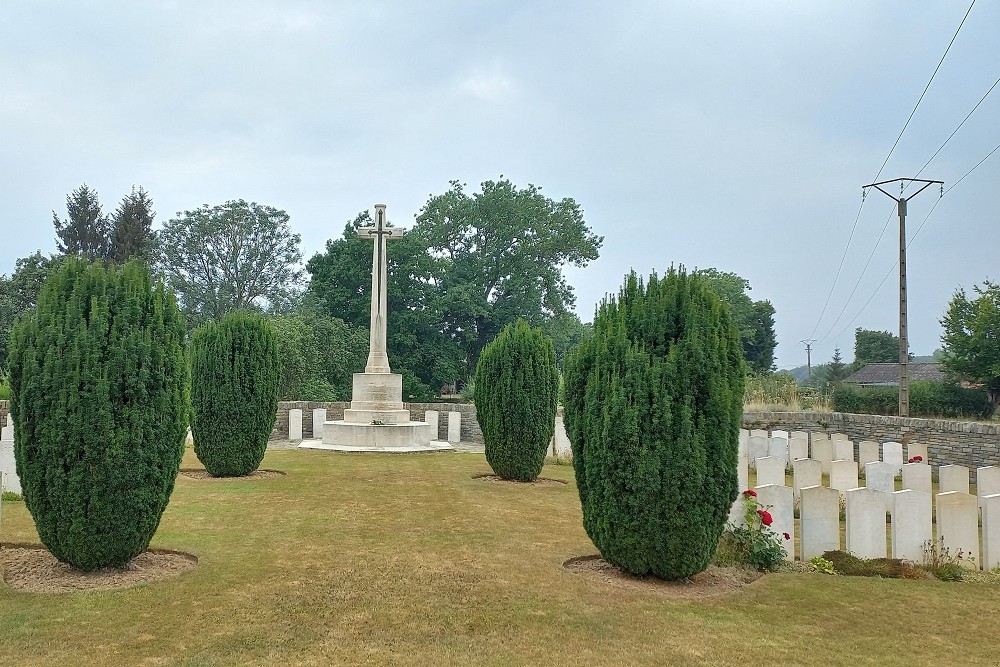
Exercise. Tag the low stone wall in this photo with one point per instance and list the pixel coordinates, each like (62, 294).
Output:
(970, 444)
(334, 411)
(4, 409)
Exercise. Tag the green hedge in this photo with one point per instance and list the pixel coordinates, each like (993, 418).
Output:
(927, 399)
(653, 405)
(234, 392)
(516, 389)
(99, 397)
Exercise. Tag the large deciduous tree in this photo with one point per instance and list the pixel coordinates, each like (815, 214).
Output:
(874, 347)
(234, 256)
(971, 337)
(20, 292)
(418, 346)
(754, 319)
(87, 230)
(504, 250)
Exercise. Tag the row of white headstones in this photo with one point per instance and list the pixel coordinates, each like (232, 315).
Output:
(914, 509)
(319, 418)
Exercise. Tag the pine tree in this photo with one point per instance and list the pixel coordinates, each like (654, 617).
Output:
(516, 391)
(132, 236)
(87, 231)
(235, 376)
(99, 397)
(653, 405)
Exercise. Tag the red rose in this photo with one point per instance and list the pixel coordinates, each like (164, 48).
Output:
(910, 460)
(765, 517)
(750, 493)
(787, 536)
(918, 458)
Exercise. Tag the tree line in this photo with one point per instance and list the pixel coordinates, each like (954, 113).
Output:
(473, 262)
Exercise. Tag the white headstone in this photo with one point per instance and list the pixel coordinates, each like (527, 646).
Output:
(759, 433)
(917, 477)
(432, 417)
(782, 509)
(454, 427)
(868, 451)
(881, 477)
(953, 478)
(819, 521)
(799, 434)
(822, 451)
(744, 443)
(892, 452)
(843, 475)
(991, 531)
(843, 450)
(777, 448)
(742, 473)
(8, 467)
(914, 449)
(319, 418)
(779, 434)
(958, 525)
(798, 448)
(987, 482)
(770, 470)
(744, 434)
(7, 432)
(806, 472)
(911, 524)
(839, 436)
(295, 424)
(815, 437)
(866, 523)
(758, 448)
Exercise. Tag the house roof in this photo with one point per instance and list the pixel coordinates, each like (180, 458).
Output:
(888, 374)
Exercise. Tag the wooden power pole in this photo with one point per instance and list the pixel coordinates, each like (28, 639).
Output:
(904, 349)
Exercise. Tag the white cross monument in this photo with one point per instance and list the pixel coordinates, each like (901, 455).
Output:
(377, 420)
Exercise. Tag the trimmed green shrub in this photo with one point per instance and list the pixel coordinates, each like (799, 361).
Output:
(927, 399)
(516, 389)
(99, 397)
(234, 392)
(653, 405)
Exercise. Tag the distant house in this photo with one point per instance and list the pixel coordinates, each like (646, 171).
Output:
(887, 375)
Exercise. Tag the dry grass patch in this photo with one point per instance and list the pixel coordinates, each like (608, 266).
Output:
(408, 560)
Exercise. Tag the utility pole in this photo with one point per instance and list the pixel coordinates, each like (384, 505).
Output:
(809, 367)
(904, 350)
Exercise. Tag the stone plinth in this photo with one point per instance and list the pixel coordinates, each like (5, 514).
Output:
(362, 437)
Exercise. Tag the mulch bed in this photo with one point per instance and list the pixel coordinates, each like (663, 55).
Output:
(538, 481)
(31, 568)
(713, 581)
(201, 473)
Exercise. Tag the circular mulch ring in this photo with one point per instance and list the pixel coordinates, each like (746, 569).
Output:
(201, 473)
(713, 581)
(31, 568)
(538, 481)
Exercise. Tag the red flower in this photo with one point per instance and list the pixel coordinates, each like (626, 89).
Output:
(765, 517)
(910, 460)
(918, 458)
(787, 536)
(750, 493)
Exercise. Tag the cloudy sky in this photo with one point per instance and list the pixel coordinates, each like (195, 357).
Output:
(729, 134)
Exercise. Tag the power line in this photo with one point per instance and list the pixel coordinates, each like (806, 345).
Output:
(885, 162)
(920, 99)
(914, 236)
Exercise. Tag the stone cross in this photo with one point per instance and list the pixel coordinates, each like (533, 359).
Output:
(378, 359)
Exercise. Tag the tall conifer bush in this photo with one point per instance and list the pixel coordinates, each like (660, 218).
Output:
(653, 405)
(516, 390)
(99, 396)
(234, 392)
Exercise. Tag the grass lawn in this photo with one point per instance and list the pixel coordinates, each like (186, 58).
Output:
(365, 559)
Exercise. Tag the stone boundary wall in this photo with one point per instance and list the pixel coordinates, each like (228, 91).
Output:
(4, 409)
(971, 444)
(335, 410)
